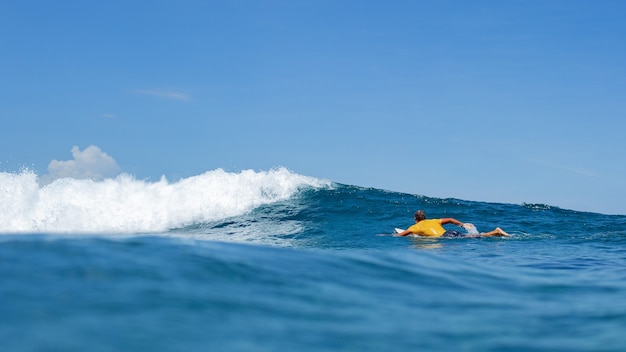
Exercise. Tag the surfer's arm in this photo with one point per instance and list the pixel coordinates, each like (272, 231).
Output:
(404, 233)
(451, 221)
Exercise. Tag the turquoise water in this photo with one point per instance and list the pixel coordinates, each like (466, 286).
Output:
(303, 265)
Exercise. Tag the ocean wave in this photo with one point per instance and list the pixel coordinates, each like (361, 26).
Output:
(127, 205)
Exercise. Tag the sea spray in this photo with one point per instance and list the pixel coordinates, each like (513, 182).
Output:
(128, 205)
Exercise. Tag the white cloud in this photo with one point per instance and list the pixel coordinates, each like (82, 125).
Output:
(91, 163)
(170, 94)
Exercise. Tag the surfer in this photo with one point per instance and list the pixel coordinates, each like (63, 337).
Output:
(434, 228)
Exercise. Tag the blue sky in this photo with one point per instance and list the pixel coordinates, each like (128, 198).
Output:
(503, 101)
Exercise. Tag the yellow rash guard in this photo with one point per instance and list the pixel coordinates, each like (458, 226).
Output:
(430, 227)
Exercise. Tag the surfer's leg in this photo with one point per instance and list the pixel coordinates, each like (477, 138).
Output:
(497, 232)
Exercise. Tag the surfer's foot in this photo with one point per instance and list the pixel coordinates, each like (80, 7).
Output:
(497, 232)
(501, 232)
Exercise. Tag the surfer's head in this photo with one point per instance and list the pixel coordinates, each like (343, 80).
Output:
(419, 215)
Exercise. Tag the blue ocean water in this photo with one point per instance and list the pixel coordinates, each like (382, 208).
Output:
(275, 261)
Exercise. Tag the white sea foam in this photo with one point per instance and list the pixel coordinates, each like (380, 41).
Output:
(127, 205)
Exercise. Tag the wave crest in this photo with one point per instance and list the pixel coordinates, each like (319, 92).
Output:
(127, 205)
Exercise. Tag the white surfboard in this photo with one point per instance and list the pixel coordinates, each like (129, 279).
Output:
(399, 230)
